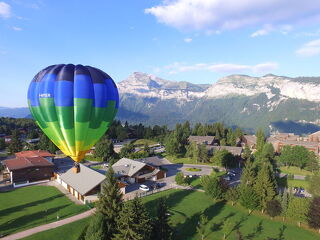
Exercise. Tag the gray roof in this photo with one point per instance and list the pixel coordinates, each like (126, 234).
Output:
(154, 161)
(202, 139)
(83, 181)
(236, 151)
(127, 167)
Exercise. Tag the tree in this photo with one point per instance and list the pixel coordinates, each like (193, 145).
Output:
(104, 149)
(202, 225)
(248, 175)
(15, 144)
(249, 199)
(2, 144)
(312, 164)
(172, 145)
(161, 228)
(202, 154)
(260, 141)
(239, 235)
(284, 202)
(126, 150)
(224, 158)
(273, 208)
(264, 186)
(314, 214)
(247, 153)
(228, 227)
(298, 209)
(96, 228)
(232, 195)
(314, 185)
(110, 202)
(180, 178)
(133, 222)
(212, 186)
(46, 144)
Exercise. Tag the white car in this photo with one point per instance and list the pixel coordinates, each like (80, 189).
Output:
(144, 188)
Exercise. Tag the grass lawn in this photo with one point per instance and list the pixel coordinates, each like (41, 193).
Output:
(185, 207)
(195, 182)
(31, 206)
(142, 142)
(298, 183)
(185, 216)
(295, 171)
(185, 160)
(71, 231)
(193, 169)
(92, 158)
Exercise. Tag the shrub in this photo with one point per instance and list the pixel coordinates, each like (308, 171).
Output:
(180, 178)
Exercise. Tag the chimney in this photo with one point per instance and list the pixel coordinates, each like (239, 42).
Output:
(76, 168)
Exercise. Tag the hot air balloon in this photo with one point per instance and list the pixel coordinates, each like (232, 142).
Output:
(73, 105)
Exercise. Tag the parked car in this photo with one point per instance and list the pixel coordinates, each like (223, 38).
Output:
(144, 188)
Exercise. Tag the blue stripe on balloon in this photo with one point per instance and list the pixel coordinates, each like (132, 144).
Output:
(33, 94)
(63, 93)
(46, 89)
(83, 86)
(99, 95)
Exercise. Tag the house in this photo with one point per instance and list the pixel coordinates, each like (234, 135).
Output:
(154, 161)
(250, 140)
(314, 137)
(132, 171)
(84, 183)
(235, 151)
(36, 153)
(207, 140)
(24, 171)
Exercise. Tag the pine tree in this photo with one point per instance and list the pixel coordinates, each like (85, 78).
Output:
(248, 175)
(273, 208)
(314, 214)
(232, 195)
(202, 226)
(133, 222)
(15, 144)
(96, 228)
(247, 153)
(249, 199)
(264, 186)
(260, 141)
(110, 202)
(284, 202)
(161, 227)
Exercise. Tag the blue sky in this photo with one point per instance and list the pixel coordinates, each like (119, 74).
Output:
(198, 41)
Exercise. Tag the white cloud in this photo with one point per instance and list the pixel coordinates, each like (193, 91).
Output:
(221, 67)
(16, 28)
(229, 14)
(5, 10)
(188, 40)
(309, 49)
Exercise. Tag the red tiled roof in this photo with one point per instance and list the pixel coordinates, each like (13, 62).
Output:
(34, 153)
(26, 162)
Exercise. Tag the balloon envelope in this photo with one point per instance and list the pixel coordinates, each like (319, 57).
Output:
(73, 105)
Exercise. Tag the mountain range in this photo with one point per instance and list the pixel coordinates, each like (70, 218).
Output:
(271, 102)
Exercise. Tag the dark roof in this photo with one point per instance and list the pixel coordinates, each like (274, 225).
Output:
(26, 162)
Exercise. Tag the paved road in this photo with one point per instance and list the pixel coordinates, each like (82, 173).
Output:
(48, 226)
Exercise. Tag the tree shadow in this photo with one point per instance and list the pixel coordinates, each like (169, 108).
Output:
(188, 228)
(257, 230)
(30, 220)
(18, 208)
(281, 233)
(172, 200)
